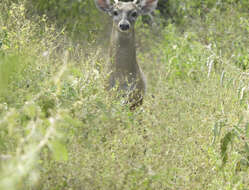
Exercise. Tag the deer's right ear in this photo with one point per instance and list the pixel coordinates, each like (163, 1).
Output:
(103, 5)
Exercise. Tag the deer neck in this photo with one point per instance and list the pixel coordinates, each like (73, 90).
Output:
(123, 51)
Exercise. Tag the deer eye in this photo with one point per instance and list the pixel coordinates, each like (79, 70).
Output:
(134, 14)
(115, 13)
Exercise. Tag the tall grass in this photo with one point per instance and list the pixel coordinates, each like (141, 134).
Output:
(60, 129)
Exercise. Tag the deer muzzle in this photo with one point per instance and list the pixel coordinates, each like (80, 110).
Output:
(124, 25)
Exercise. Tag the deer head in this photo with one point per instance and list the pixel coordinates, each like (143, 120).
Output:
(124, 14)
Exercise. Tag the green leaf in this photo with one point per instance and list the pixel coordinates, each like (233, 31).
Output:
(217, 130)
(247, 129)
(247, 148)
(224, 145)
(59, 150)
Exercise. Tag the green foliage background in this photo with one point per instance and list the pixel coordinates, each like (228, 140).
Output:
(80, 18)
(60, 129)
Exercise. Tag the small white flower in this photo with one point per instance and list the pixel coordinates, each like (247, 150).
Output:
(45, 53)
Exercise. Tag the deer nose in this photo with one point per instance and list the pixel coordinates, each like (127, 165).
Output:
(124, 26)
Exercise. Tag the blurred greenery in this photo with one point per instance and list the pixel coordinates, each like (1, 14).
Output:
(60, 128)
(80, 18)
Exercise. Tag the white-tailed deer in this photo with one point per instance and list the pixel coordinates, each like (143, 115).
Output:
(124, 70)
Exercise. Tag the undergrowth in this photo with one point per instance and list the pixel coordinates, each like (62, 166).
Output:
(60, 129)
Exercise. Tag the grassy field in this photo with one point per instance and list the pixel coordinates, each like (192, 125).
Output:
(60, 129)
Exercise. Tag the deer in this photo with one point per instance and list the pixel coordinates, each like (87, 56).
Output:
(123, 68)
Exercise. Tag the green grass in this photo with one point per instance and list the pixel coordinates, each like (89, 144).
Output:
(60, 129)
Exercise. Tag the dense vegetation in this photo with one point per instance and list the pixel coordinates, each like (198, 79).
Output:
(60, 129)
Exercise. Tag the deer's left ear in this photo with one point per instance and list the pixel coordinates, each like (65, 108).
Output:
(147, 6)
(103, 5)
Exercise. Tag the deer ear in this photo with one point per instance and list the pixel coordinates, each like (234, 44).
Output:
(147, 6)
(103, 5)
